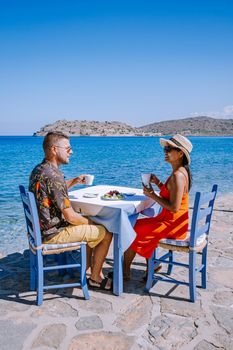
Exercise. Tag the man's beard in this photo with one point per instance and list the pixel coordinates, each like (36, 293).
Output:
(64, 160)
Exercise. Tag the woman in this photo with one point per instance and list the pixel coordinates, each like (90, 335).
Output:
(172, 222)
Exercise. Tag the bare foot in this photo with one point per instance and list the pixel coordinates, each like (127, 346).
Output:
(88, 273)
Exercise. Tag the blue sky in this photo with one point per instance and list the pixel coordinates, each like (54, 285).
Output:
(132, 61)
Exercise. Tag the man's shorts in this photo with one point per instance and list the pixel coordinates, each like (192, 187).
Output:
(92, 234)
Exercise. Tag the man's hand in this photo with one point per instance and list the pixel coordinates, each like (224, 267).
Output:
(80, 179)
(90, 222)
(76, 180)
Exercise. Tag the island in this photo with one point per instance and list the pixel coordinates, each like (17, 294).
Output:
(196, 126)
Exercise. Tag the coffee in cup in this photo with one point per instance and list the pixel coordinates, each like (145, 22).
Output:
(146, 179)
(89, 179)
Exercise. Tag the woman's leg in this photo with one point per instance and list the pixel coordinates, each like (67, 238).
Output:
(128, 258)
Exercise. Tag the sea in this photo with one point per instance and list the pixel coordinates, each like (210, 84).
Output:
(113, 161)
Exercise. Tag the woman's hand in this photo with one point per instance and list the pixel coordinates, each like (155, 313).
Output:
(148, 191)
(154, 179)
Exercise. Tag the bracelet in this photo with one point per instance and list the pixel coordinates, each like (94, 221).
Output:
(159, 183)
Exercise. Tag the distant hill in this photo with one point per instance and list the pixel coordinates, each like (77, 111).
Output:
(199, 126)
(191, 126)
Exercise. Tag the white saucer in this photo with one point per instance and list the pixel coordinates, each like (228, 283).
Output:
(90, 195)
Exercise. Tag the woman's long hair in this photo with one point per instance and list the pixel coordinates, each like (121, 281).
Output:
(187, 167)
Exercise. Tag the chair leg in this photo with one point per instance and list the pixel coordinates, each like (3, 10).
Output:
(170, 266)
(150, 272)
(33, 276)
(204, 263)
(83, 272)
(40, 279)
(192, 276)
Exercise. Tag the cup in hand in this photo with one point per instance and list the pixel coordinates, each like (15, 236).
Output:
(89, 179)
(146, 179)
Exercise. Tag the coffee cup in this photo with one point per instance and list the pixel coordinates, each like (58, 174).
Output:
(89, 179)
(146, 179)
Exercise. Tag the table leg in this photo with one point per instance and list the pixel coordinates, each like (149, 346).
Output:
(118, 267)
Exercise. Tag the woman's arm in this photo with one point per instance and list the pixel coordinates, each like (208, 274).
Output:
(175, 186)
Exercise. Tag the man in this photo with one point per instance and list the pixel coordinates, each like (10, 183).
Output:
(59, 222)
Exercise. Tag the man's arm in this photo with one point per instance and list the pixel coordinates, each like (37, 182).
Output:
(76, 180)
(74, 218)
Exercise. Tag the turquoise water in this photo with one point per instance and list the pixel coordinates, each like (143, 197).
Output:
(113, 160)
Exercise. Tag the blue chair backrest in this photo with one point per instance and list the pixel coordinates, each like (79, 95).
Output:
(31, 216)
(202, 212)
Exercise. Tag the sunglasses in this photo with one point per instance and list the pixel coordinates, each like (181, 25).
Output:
(68, 149)
(170, 148)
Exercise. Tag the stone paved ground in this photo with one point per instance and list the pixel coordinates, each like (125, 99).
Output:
(164, 320)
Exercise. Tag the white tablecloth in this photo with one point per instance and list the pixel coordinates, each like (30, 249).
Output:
(118, 216)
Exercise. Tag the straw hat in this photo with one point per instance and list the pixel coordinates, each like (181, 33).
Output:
(181, 142)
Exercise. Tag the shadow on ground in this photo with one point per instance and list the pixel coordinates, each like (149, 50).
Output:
(15, 279)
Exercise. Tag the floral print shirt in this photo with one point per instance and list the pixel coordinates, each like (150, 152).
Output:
(49, 187)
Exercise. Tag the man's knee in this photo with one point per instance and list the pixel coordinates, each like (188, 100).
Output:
(108, 236)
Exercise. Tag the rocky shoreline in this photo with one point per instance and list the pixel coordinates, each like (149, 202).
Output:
(198, 126)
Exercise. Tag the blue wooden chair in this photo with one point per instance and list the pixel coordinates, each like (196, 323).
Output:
(39, 251)
(197, 243)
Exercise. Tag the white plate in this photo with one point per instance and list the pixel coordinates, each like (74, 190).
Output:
(90, 195)
(112, 198)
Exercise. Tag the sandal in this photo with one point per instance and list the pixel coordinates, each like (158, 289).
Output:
(105, 284)
(110, 275)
